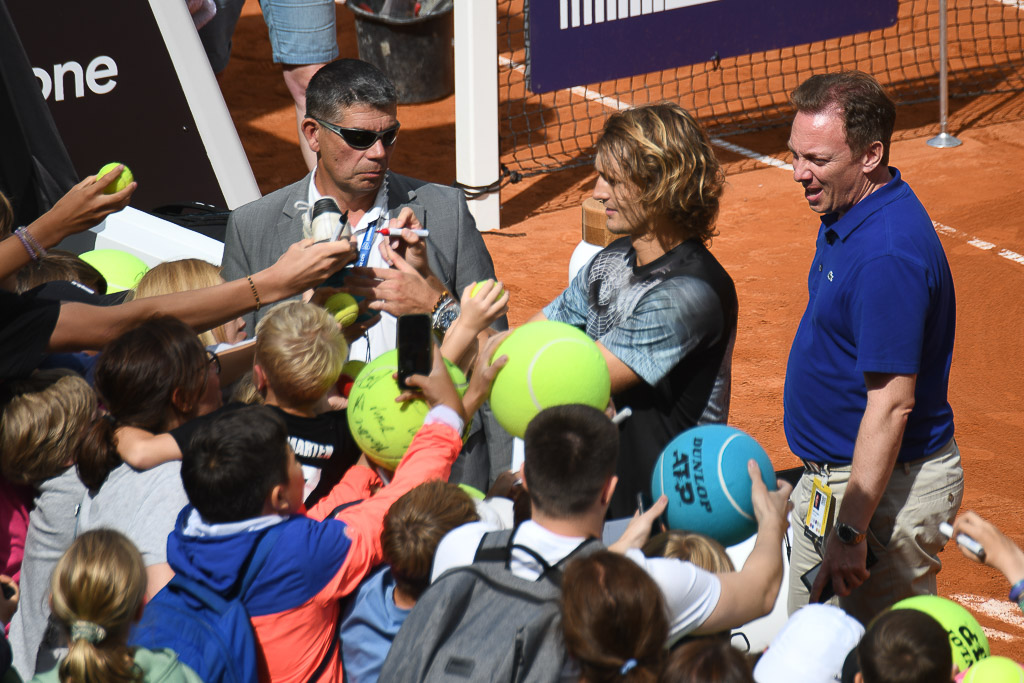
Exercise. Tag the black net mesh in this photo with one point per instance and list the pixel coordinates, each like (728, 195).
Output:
(557, 130)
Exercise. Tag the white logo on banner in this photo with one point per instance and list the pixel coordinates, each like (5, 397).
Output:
(98, 76)
(585, 12)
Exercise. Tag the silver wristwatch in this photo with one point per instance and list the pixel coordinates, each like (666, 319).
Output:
(445, 313)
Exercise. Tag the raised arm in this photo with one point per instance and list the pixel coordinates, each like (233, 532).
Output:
(304, 265)
(751, 592)
(81, 208)
(889, 403)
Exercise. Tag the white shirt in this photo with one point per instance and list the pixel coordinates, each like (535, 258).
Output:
(382, 336)
(691, 594)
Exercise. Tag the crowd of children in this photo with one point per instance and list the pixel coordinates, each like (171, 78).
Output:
(153, 532)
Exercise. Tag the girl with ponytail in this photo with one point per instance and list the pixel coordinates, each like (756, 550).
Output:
(155, 377)
(97, 593)
(614, 620)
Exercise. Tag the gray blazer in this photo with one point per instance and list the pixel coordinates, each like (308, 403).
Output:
(259, 232)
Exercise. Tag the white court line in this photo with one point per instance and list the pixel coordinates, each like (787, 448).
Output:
(751, 154)
(994, 634)
(978, 243)
(1016, 4)
(1004, 611)
(620, 105)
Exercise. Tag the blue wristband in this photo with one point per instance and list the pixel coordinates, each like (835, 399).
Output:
(1016, 591)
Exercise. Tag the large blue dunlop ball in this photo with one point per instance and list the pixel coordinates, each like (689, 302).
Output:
(703, 471)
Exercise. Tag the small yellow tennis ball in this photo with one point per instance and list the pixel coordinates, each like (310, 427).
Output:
(122, 181)
(477, 286)
(344, 307)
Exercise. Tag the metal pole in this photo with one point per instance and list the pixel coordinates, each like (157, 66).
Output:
(943, 139)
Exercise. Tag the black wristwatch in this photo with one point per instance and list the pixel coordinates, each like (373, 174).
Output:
(848, 535)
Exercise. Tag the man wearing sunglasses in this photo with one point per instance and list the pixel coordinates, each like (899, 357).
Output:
(352, 125)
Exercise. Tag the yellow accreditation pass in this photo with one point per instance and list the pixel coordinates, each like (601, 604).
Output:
(816, 523)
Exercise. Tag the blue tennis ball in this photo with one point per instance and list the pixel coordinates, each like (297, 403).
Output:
(703, 471)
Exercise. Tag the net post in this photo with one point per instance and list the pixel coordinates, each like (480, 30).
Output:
(943, 139)
(476, 107)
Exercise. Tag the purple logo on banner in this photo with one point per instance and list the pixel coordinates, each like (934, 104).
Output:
(575, 42)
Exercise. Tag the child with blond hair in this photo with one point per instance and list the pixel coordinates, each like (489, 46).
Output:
(97, 593)
(299, 355)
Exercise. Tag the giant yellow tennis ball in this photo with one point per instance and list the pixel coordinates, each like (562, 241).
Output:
(344, 307)
(123, 180)
(382, 428)
(549, 364)
(478, 285)
(966, 639)
(120, 269)
(995, 670)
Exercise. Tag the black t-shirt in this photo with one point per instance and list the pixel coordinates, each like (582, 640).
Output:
(322, 444)
(26, 326)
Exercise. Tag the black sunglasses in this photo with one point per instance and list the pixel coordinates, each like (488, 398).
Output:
(357, 138)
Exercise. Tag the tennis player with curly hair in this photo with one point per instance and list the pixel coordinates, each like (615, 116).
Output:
(660, 306)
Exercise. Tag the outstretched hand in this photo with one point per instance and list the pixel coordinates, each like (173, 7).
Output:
(84, 206)
(484, 372)
(479, 312)
(405, 243)
(770, 507)
(1000, 551)
(303, 266)
(399, 290)
(639, 528)
(436, 388)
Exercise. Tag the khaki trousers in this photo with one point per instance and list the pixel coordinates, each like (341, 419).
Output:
(903, 534)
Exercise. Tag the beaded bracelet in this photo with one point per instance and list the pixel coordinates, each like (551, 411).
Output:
(24, 242)
(32, 240)
(255, 294)
(1017, 592)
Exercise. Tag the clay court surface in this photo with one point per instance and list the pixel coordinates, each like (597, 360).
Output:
(974, 193)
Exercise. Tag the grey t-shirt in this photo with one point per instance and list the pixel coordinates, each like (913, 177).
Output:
(51, 529)
(142, 505)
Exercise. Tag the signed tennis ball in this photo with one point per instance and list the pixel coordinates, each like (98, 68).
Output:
(122, 181)
(344, 307)
(477, 286)
(967, 640)
(382, 428)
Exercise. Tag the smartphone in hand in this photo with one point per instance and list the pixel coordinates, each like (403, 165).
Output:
(415, 346)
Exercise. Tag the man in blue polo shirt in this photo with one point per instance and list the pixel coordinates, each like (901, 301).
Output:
(866, 384)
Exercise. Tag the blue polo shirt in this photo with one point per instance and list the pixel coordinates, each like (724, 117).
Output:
(880, 299)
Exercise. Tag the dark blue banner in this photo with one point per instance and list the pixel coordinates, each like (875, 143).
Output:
(575, 42)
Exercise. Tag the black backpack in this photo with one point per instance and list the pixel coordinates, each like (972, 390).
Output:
(481, 623)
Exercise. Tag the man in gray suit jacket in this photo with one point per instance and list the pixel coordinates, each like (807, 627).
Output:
(351, 124)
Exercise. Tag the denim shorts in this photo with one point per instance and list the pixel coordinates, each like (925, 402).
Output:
(301, 31)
